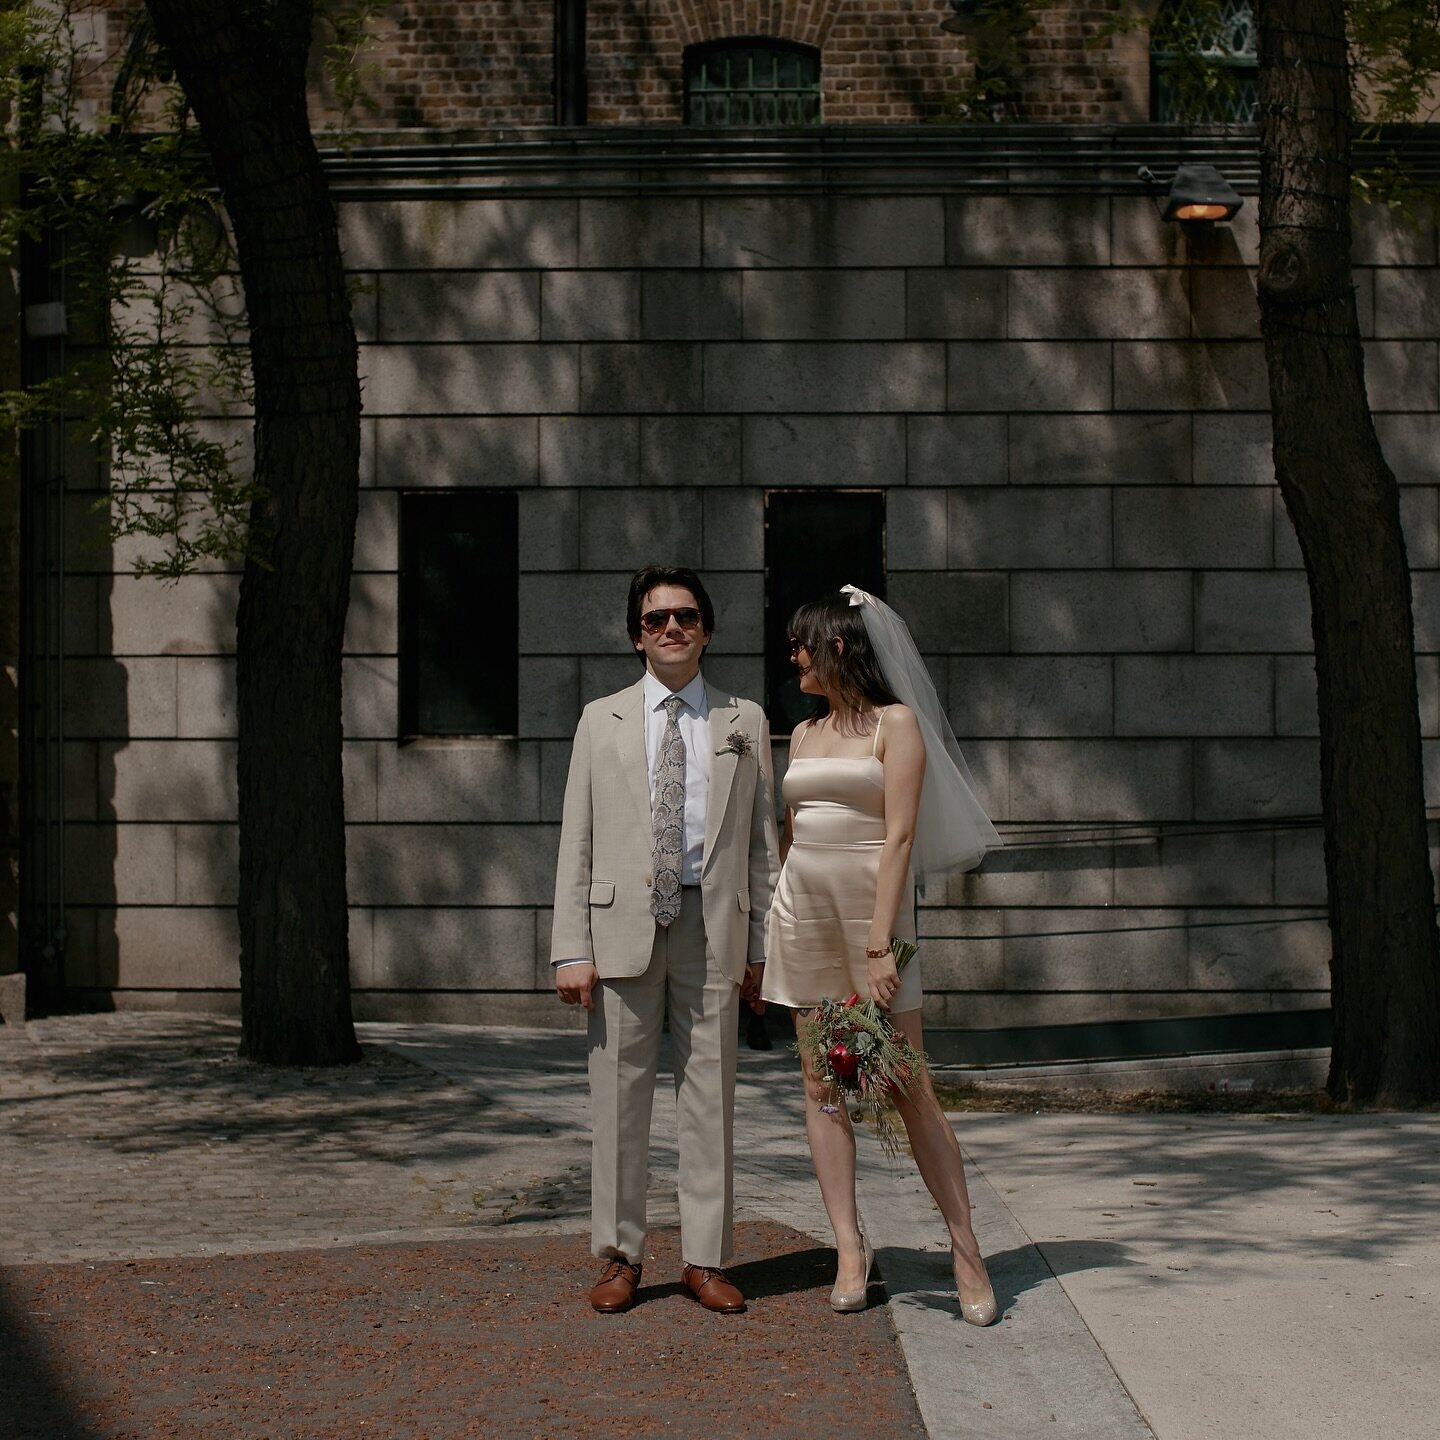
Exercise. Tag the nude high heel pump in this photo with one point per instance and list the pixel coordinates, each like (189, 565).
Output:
(981, 1312)
(978, 1312)
(849, 1300)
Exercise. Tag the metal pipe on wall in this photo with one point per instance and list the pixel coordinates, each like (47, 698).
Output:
(43, 931)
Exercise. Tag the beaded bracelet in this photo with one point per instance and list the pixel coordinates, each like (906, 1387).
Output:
(876, 954)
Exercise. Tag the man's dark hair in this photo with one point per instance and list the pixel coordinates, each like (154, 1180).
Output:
(649, 576)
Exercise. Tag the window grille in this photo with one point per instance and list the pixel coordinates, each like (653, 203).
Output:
(1224, 36)
(752, 84)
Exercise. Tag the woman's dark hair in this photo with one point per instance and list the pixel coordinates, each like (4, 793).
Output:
(648, 577)
(853, 671)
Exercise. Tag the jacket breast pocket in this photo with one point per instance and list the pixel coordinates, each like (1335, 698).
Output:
(743, 896)
(602, 892)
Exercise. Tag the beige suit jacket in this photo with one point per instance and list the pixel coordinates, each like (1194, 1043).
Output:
(603, 880)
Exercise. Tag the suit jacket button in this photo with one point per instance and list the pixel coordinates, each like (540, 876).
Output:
(649, 883)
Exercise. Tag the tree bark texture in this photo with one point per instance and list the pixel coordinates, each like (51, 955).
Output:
(242, 66)
(1345, 505)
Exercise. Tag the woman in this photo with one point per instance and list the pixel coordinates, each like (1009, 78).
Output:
(876, 793)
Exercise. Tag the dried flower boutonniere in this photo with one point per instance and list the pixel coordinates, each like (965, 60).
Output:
(737, 742)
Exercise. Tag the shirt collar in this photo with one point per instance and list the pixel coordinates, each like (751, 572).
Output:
(692, 694)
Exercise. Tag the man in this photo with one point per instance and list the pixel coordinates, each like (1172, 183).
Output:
(667, 863)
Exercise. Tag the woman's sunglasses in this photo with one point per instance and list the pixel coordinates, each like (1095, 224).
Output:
(652, 622)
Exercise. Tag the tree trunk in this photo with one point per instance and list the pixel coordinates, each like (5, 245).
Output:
(1345, 505)
(242, 66)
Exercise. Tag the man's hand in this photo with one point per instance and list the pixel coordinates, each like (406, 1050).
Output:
(575, 984)
(750, 986)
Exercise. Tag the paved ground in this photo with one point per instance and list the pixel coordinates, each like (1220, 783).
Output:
(477, 1335)
(1248, 1275)
(193, 1246)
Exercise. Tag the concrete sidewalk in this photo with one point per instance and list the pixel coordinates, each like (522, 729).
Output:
(1252, 1275)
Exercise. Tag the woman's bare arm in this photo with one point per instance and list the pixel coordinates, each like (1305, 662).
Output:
(902, 752)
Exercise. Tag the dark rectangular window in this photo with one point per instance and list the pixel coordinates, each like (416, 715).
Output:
(459, 613)
(815, 542)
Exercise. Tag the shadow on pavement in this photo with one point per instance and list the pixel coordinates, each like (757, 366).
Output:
(925, 1277)
(34, 1402)
(1197, 1181)
(158, 1093)
(1066, 1257)
(786, 1274)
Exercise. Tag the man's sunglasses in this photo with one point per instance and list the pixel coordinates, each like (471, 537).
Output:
(652, 622)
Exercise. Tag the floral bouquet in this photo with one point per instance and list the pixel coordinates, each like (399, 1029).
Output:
(853, 1045)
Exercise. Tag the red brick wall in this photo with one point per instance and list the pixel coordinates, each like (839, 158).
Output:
(485, 64)
(102, 30)
(460, 64)
(882, 61)
(635, 68)
(1070, 75)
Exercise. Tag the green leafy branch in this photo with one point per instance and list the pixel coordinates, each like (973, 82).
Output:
(153, 359)
(1394, 69)
(153, 369)
(993, 93)
(347, 28)
(1394, 59)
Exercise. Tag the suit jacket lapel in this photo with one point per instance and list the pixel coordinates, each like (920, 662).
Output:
(724, 717)
(630, 746)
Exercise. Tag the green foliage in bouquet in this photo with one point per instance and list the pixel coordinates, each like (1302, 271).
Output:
(853, 1046)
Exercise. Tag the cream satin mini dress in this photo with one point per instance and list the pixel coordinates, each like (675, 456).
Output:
(824, 901)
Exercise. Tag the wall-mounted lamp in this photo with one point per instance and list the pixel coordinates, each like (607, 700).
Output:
(1198, 195)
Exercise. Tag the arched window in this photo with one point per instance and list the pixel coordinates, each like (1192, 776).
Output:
(752, 84)
(1203, 64)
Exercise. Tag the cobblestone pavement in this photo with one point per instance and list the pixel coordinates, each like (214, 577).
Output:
(476, 1336)
(400, 1248)
(138, 1135)
(191, 1250)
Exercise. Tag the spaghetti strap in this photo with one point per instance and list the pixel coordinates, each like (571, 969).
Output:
(874, 743)
(804, 731)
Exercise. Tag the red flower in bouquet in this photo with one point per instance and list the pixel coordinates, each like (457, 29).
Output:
(854, 1046)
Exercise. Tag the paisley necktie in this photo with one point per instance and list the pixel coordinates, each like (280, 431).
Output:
(667, 818)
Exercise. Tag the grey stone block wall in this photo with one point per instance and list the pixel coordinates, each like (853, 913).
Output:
(1063, 400)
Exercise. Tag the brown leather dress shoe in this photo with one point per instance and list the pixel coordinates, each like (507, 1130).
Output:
(615, 1290)
(713, 1289)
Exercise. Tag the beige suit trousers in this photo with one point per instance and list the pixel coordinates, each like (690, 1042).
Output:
(624, 1033)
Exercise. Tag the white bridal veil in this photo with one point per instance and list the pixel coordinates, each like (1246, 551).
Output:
(952, 831)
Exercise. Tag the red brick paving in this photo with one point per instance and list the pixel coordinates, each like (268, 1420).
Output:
(484, 1336)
